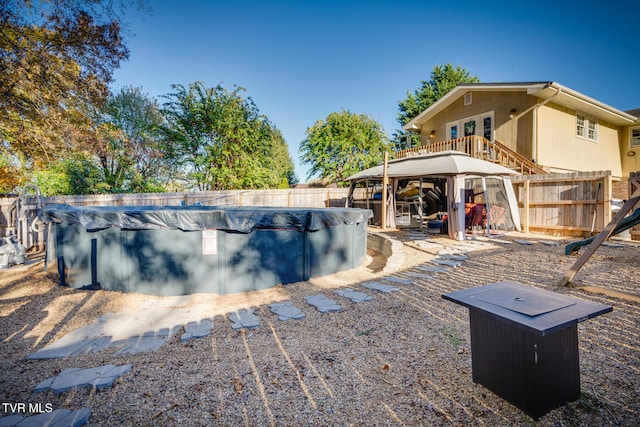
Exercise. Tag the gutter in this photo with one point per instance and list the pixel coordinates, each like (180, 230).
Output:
(534, 133)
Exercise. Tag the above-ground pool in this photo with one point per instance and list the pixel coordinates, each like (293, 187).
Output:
(183, 250)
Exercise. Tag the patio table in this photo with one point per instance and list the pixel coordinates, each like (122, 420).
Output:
(524, 342)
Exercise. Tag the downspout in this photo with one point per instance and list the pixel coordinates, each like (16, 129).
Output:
(534, 133)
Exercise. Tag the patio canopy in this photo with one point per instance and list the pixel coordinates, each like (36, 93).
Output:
(445, 163)
(461, 171)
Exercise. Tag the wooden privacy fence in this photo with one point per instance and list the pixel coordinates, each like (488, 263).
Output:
(634, 185)
(304, 197)
(573, 204)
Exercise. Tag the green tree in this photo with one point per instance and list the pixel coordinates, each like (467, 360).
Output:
(443, 79)
(74, 175)
(56, 60)
(343, 144)
(220, 141)
(131, 154)
(11, 175)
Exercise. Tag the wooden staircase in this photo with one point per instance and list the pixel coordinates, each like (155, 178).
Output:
(479, 148)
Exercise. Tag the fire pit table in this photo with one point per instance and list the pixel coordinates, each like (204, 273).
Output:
(524, 342)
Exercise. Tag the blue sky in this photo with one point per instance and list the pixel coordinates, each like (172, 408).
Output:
(300, 61)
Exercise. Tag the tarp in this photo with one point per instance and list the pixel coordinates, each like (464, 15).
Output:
(444, 163)
(194, 218)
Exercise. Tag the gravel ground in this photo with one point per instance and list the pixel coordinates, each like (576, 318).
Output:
(401, 359)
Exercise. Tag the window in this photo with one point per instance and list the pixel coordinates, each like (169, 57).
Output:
(481, 125)
(635, 137)
(468, 98)
(487, 128)
(470, 128)
(586, 127)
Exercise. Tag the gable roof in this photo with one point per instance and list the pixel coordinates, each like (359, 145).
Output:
(634, 112)
(561, 95)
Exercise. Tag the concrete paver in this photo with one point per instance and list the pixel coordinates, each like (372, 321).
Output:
(323, 303)
(244, 319)
(354, 296)
(100, 377)
(286, 311)
(58, 418)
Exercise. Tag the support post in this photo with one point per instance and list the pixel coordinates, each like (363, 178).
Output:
(526, 206)
(94, 262)
(419, 205)
(385, 181)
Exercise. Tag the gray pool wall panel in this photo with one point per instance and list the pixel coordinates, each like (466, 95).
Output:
(176, 262)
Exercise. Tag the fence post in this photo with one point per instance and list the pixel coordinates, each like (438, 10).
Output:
(526, 205)
(606, 199)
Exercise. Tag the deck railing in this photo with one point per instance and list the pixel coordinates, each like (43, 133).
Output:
(479, 148)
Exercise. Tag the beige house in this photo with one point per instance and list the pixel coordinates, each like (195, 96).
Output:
(553, 126)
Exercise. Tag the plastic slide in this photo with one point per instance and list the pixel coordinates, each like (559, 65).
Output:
(628, 222)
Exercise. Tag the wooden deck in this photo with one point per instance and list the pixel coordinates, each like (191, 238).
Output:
(479, 148)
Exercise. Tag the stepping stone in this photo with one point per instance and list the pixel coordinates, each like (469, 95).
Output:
(380, 287)
(396, 279)
(58, 418)
(100, 377)
(11, 420)
(472, 245)
(524, 242)
(462, 247)
(323, 303)
(144, 329)
(417, 236)
(418, 275)
(613, 245)
(197, 330)
(148, 341)
(286, 310)
(447, 262)
(503, 242)
(71, 346)
(453, 257)
(354, 296)
(549, 243)
(244, 319)
(428, 245)
(432, 268)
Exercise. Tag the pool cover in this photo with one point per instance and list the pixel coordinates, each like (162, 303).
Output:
(183, 250)
(194, 218)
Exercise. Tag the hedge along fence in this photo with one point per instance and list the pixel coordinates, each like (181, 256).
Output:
(564, 204)
(303, 197)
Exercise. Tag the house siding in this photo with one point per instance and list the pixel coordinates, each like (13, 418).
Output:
(630, 157)
(557, 148)
(514, 133)
(560, 149)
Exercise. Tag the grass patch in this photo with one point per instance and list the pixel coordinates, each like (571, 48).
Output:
(452, 333)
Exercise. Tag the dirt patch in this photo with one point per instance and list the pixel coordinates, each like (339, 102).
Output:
(400, 359)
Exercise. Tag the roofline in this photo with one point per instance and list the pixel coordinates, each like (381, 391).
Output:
(532, 88)
(600, 105)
